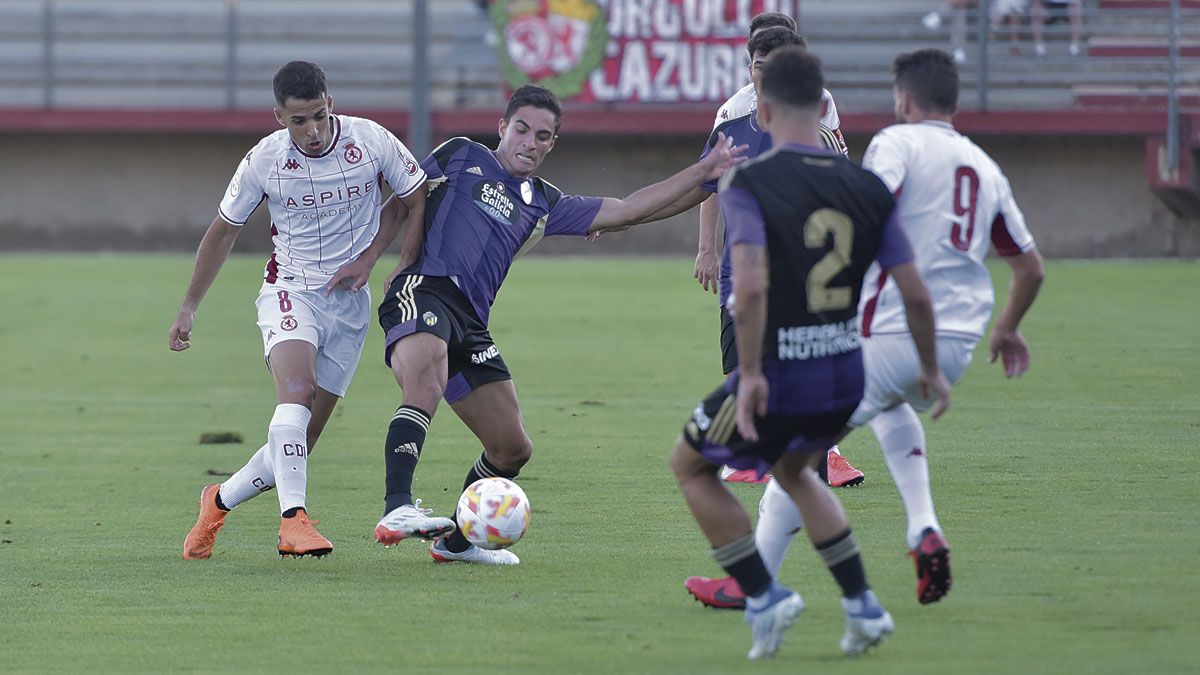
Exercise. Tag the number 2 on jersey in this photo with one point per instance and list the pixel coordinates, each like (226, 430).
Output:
(823, 222)
(965, 179)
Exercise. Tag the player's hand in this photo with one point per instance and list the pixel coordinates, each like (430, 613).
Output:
(936, 386)
(180, 336)
(1011, 347)
(751, 402)
(723, 157)
(706, 270)
(351, 276)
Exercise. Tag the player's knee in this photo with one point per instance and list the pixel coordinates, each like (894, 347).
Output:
(298, 390)
(684, 464)
(423, 393)
(511, 453)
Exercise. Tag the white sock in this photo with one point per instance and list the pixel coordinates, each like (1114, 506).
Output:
(778, 523)
(287, 438)
(902, 438)
(253, 479)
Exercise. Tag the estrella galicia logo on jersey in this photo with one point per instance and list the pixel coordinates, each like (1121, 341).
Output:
(289, 323)
(492, 200)
(353, 155)
(429, 318)
(292, 164)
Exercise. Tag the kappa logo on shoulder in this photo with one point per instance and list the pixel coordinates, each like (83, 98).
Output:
(292, 164)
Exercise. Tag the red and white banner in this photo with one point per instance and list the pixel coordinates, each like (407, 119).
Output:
(629, 51)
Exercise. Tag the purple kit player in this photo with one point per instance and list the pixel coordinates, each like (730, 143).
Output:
(804, 224)
(485, 207)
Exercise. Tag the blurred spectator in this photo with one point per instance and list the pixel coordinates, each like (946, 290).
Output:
(1044, 11)
(957, 11)
(1011, 12)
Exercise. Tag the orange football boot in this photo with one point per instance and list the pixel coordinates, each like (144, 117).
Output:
(298, 537)
(199, 542)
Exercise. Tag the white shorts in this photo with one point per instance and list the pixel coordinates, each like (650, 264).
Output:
(892, 367)
(336, 325)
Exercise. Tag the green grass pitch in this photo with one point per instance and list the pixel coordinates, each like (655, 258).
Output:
(1070, 497)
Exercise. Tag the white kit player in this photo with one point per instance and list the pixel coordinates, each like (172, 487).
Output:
(321, 177)
(713, 271)
(952, 201)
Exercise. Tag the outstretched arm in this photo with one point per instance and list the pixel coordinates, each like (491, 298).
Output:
(918, 309)
(1007, 342)
(681, 205)
(210, 256)
(660, 200)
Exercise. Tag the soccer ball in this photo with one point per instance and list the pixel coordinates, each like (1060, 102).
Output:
(493, 513)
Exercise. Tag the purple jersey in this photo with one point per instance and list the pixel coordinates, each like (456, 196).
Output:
(823, 221)
(479, 218)
(743, 130)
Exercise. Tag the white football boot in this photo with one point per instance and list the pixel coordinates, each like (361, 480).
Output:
(472, 555)
(768, 624)
(867, 622)
(411, 521)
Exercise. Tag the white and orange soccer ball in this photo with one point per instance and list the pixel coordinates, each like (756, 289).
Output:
(493, 513)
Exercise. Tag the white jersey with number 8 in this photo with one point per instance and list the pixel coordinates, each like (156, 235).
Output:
(324, 208)
(952, 201)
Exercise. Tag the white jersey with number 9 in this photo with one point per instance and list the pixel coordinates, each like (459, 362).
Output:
(952, 201)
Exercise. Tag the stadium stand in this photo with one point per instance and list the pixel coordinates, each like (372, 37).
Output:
(204, 66)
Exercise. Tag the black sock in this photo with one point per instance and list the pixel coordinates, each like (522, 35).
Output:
(221, 504)
(405, 436)
(742, 561)
(844, 562)
(457, 543)
(291, 513)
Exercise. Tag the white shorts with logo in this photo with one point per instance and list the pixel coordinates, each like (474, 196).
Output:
(336, 325)
(893, 366)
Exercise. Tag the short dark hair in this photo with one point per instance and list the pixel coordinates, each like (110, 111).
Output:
(793, 78)
(301, 80)
(771, 19)
(930, 77)
(770, 39)
(538, 97)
